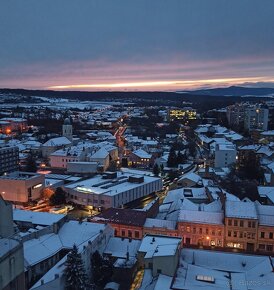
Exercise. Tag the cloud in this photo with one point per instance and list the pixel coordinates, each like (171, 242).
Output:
(45, 43)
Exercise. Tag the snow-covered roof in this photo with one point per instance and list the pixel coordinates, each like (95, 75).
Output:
(240, 209)
(100, 154)
(159, 246)
(159, 223)
(58, 141)
(142, 154)
(118, 247)
(36, 218)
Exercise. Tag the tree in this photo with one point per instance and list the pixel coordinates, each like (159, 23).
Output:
(181, 158)
(102, 269)
(172, 158)
(156, 169)
(59, 197)
(31, 164)
(76, 278)
(251, 167)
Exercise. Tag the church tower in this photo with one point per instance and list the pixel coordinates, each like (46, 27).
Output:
(67, 129)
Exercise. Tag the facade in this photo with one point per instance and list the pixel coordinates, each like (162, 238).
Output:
(186, 113)
(225, 154)
(156, 252)
(15, 124)
(241, 224)
(256, 117)
(67, 129)
(235, 114)
(112, 189)
(127, 223)
(21, 187)
(11, 252)
(9, 159)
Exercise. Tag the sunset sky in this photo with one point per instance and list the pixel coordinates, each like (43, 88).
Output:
(136, 45)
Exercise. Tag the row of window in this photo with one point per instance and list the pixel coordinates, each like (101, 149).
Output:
(264, 236)
(130, 234)
(241, 235)
(241, 223)
(268, 248)
(201, 231)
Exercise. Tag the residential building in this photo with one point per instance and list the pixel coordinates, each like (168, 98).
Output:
(21, 187)
(186, 113)
(156, 252)
(9, 159)
(256, 117)
(225, 155)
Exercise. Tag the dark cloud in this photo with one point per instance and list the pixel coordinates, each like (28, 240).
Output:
(62, 40)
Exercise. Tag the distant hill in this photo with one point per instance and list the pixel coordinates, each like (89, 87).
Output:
(234, 91)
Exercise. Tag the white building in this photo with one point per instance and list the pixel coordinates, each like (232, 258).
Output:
(21, 187)
(256, 117)
(113, 189)
(67, 129)
(225, 154)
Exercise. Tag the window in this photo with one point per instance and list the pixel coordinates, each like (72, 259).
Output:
(200, 231)
(229, 233)
(230, 222)
(136, 233)
(235, 223)
(123, 233)
(194, 230)
(241, 223)
(249, 224)
(213, 232)
(207, 231)
(235, 234)
(253, 224)
(269, 248)
(159, 271)
(129, 234)
(261, 246)
(150, 265)
(241, 235)
(271, 235)
(188, 229)
(262, 235)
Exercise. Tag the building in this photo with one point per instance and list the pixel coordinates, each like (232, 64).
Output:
(9, 159)
(67, 130)
(112, 189)
(21, 187)
(201, 225)
(15, 125)
(54, 144)
(186, 113)
(225, 154)
(256, 117)
(241, 224)
(235, 114)
(127, 223)
(11, 252)
(160, 254)
(140, 158)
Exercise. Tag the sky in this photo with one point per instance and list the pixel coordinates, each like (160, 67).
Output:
(136, 45)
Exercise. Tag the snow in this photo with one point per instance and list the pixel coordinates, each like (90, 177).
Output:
(240, 271)
(118, 247)
(240, 209)
(163, 282)
(142, 154)
(7, 245)
(159, 223)
(58, 141)
(159, 246)
(36, 218)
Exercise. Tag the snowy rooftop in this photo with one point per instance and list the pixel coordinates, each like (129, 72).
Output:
(209, 270)
(142, 154)
(240, 209)
(118, 247)
(111, 187)
(36, 218)
(159, 223)
(158, 246)
(59, 141)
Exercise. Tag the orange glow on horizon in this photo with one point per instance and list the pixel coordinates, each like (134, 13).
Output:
(168, 84)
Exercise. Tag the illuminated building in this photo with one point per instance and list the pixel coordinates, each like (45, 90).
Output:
(186, 113)
(21, 187)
